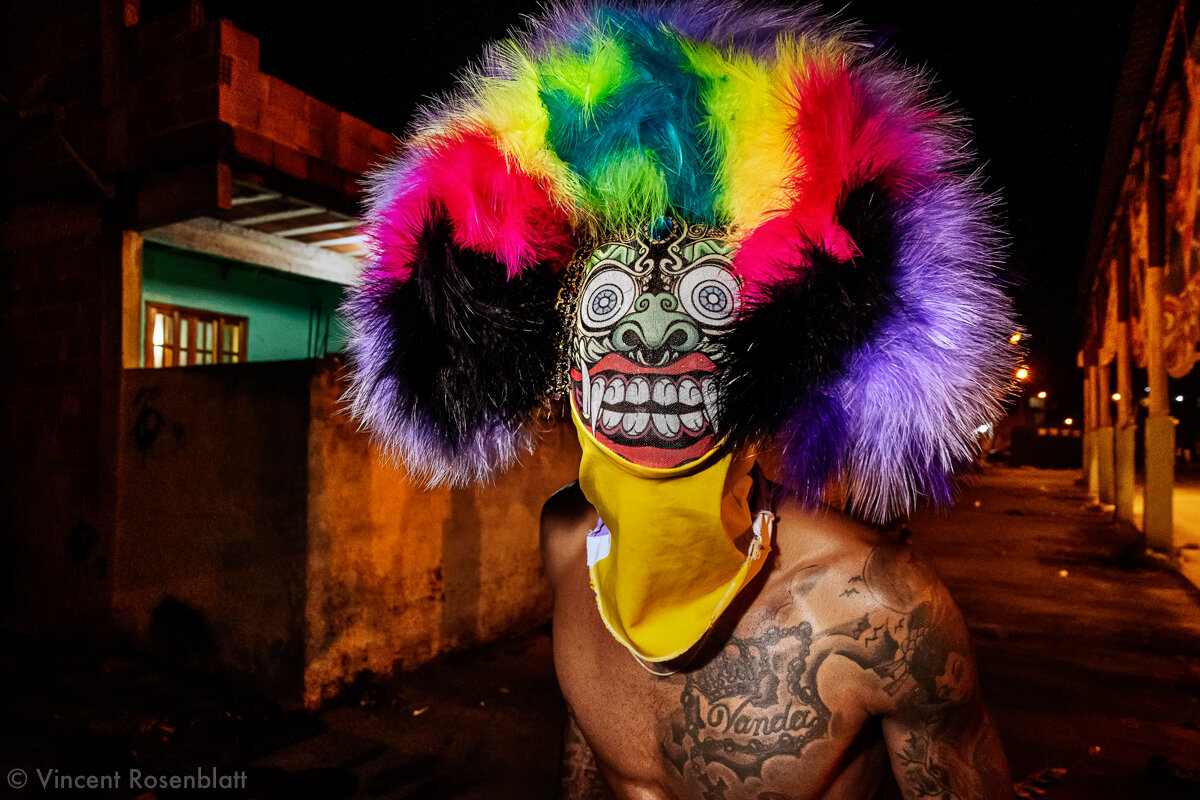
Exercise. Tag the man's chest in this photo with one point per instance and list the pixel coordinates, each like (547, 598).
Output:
(768, 711)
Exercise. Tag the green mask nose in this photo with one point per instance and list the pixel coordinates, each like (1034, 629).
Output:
(656, 327)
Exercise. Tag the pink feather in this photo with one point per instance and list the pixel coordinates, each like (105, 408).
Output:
(840, 136)
(494, 207)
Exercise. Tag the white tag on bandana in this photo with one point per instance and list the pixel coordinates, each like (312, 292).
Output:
(599, 542)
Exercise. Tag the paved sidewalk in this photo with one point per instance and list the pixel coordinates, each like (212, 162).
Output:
(1186, 512)
(483, 725)
(1090, 662)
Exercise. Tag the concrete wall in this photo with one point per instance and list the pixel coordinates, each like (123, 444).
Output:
(210, 554)
(260, 530)
(145, 109)
(398, 574)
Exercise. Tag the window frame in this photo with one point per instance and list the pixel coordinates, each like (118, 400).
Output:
(178, 356)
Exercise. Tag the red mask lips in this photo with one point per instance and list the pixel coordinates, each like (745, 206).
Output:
(652, 416)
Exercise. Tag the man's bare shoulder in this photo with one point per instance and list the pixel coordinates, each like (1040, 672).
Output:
(834, 568)
(565, 516)
(827, 543)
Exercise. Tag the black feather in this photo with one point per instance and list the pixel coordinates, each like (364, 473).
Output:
(787, 349)
(466, 345)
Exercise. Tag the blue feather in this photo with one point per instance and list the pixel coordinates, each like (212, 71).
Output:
(657, 114)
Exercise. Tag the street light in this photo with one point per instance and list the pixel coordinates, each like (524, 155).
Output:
(1022, 374)
(1116, 397)
(1016, 337)
(1041, 395)
(1068, 421)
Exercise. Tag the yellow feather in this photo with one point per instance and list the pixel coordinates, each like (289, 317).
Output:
(748, 119)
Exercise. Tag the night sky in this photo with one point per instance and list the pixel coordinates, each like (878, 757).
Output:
(1036, 78)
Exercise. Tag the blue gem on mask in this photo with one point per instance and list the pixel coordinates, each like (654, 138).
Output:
(661, 228)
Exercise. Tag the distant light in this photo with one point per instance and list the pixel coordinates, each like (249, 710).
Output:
(1068, 421)
(983, 428)
(1041, 395)
(1116, 396)
(1062, 573)
(1178, 398)
(1147, 390)
(1022, 374)
(1016, 337)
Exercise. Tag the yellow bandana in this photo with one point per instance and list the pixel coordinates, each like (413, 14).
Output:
(673, 546)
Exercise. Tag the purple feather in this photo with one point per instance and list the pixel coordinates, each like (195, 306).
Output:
(747, 26)
(939, 366)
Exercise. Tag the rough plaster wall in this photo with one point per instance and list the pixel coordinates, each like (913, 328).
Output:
(213, 481)
(397, 574)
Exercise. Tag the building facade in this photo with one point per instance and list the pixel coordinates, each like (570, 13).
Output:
(178, 233)
(1141, 284)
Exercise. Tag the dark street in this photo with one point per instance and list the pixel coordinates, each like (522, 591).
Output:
(1090, 662)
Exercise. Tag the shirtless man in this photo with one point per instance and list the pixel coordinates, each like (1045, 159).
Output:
(747, 246)
(846, 652)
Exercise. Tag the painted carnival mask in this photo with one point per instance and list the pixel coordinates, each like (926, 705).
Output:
(646, 345)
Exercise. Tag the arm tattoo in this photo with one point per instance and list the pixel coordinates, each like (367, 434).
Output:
(930, 691)
(581, 778)
(942, 744)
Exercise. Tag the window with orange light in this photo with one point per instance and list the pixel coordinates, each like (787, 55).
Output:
(177, 336)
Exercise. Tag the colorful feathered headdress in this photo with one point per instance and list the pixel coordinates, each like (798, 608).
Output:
(872, 340)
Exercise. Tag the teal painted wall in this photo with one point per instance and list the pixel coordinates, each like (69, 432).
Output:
(282, 309)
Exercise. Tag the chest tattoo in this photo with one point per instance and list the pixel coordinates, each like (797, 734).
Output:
(758, 699)
(752, 722)
(754, 701)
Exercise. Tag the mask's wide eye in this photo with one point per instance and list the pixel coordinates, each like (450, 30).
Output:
(608, 296)
(709, 294)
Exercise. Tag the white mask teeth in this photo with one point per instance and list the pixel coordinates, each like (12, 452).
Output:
(636, 422)
(665, 393)
(597, 394)
(615, 392)
(689, 392)
(585, 386)
(638, 392)
(712, 407)
(666, 424)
